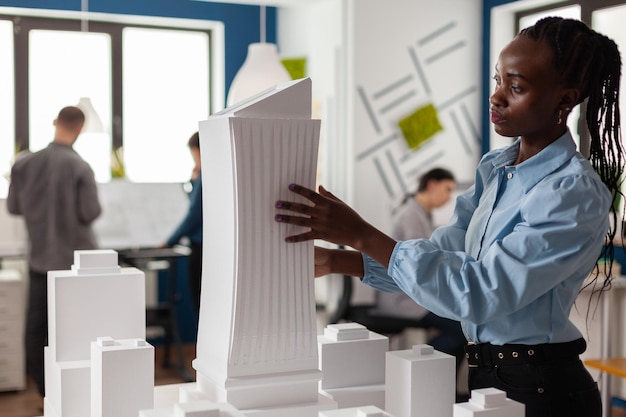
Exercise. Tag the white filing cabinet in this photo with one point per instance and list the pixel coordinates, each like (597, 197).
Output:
(12, 374)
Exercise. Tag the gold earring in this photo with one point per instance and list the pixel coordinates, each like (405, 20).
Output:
(558, 122)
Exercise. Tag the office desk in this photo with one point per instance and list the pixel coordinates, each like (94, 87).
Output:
(613, 366)
(164, 314)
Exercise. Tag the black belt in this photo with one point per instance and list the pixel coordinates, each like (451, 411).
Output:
(487, 355)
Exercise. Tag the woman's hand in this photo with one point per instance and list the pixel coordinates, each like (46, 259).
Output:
(332, 220)
(328, 218)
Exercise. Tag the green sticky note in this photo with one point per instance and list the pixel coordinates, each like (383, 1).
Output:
(420, 126)
(296, 67)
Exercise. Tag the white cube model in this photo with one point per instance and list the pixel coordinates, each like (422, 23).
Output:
(257, 331)
(489, 402)
(366, 411)
(206, 409)
(352, 360)
(68, 391)
(122, 377)
(420, 382)
(95, 298)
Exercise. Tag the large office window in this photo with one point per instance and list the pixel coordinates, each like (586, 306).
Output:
(165, 95)
(63, 67)
(148, 79)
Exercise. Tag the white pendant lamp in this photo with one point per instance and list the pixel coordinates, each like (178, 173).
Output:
(93, 123)
(261, 70)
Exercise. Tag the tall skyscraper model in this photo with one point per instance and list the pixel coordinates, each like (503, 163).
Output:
(257, 337)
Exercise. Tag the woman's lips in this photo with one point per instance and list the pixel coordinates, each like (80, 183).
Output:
(496, 118)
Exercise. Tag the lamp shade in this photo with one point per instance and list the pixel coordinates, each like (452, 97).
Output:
(261, 70)
(93, 123)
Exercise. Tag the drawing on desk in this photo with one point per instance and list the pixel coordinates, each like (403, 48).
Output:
(138, 215)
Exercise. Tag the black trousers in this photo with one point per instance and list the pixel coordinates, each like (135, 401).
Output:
(36, 332)
(555, 387)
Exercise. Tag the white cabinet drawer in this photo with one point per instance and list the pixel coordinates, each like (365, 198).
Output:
(11, 336)
(11, 302)
(12, 375)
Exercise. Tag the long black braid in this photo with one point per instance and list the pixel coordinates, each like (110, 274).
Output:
(591, 62)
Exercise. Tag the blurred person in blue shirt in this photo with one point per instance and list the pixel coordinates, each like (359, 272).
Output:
(191, 225)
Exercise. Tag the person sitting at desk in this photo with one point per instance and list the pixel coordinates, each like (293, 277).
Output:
(414, 221)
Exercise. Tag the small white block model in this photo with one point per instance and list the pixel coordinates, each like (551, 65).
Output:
(197, 409)
(489, 402)
(365, 411)
(67, 387)
(206, 409)
(352, 360)
(96, 261)
(420, 382)
(122, 377)
(96, 297)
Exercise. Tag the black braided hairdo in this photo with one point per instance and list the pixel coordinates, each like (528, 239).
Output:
(589, 61)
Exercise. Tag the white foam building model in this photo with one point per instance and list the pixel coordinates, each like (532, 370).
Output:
(199, 408)
(122, 377)
(420, 382)
(489, 402)
(352, 360)
(366, 411)
(96, 298)
(257, 332)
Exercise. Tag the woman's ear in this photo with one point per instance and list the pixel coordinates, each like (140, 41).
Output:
(570, 97)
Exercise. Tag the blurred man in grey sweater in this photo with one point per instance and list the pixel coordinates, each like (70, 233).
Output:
(55, 190)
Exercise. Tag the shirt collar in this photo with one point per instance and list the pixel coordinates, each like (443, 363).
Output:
(534, 169)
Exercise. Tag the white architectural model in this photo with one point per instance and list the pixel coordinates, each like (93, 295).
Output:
(122, 377)
(489, 402)
(257, 334)
(257, 347)
(367, 411)
(353, 379)
(95, 298)
(420, 382)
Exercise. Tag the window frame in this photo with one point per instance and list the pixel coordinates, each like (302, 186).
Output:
(587, 7)
(113, 25)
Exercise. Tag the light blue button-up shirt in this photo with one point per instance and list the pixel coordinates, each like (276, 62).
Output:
(512, 260)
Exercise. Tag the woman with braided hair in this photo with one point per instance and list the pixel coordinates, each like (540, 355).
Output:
(523, 238)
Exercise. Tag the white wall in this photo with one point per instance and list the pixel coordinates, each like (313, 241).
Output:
(373, 63)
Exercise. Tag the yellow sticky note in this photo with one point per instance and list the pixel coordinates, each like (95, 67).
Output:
(420, 126)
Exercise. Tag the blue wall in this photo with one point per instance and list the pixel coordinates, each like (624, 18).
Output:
(486, 69)
(241, 22)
